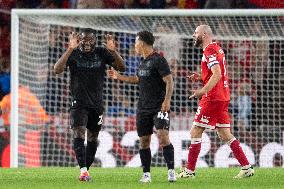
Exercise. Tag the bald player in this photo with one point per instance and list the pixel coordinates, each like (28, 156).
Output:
(212, 112)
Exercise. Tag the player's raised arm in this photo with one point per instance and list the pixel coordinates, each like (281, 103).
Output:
(115, 75)
(61, 63)
(169, 91)
(118, 63)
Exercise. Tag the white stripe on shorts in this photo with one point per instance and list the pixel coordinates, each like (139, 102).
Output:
(223, 125)
(203, 125)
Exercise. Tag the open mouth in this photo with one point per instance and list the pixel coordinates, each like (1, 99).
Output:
(87, 48)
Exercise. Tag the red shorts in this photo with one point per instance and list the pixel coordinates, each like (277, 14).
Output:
(212, 114)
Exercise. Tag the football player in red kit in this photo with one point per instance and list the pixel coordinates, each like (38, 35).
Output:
(212, 112)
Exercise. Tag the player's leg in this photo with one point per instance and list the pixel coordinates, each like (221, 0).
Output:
(162, 124)
(226, 136)
(203, 119)
(145, 157)
(79, 118)
(91, 148)
(224, 132)
(145, 130)
(94, 126)
(194, 149)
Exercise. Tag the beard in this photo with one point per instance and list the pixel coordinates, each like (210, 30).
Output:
(87, 48)
(198, 42)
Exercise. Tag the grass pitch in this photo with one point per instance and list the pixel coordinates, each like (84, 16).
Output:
(102, 178)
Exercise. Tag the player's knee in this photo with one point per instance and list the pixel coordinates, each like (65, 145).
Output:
(79, 132)
(196, 132)
(164, 143)
(225, 136)
(163, 137)
(145, 142)
(92, 136)
(220, 136)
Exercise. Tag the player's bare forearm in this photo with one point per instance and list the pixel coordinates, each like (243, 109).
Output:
(216, 76)
(169, 86)
(128, 79)
(118, 61)
(115, 75)
(61, 63)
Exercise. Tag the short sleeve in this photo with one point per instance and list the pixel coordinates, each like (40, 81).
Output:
(211, 58)
(106, 56)
(163, 67)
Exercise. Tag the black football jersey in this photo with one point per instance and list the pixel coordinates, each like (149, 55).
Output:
(152, 88)
(88, 75)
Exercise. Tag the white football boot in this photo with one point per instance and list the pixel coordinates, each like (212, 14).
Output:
(146, 178)
(186, 173)
(172, 175)
(245, 173)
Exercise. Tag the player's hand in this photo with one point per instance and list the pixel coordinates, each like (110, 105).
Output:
(197, 93)
(73, 40)
(166, 106)
(112, 73)
(193, 76)
(110, 43)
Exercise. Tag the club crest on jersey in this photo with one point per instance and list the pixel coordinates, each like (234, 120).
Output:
(148, 63)
(212, 58)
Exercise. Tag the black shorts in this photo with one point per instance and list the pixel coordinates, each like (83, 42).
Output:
(145, 122)
(90, 118)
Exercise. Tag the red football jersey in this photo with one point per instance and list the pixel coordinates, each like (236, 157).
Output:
(213, 54)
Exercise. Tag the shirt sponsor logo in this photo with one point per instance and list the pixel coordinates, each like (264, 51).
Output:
(95, 62)
(143, 73)
(204, 119)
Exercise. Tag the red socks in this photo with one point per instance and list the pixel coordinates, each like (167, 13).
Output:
(238, 152)
(193, 153)
(195, 148)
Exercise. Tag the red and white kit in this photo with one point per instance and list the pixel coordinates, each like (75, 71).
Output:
(213, 107)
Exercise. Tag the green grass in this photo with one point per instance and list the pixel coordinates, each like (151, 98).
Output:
(67, 178)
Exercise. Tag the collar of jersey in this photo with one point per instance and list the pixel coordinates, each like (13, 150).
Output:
(208, 45)
(150, 55)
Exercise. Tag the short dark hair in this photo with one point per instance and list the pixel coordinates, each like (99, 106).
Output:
(146, 37)
(88, 31)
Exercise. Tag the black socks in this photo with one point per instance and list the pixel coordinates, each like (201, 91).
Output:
(145, 156)
(91, 150)
(168, 152)
(80, 151)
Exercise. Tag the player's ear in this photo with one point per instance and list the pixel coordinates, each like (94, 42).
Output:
(142, 44)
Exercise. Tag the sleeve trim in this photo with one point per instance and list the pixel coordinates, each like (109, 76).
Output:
(212, 64)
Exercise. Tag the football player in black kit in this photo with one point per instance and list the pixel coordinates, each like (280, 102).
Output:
(155, 90)
(87, 65)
